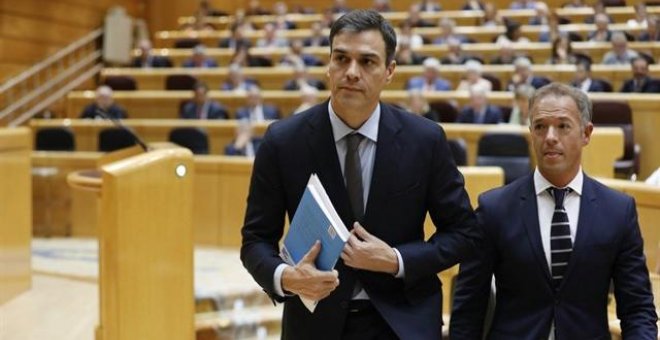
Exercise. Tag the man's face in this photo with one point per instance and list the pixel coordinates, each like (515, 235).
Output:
(581, 73)
(558, 138)
(640, 68)
(357, 71)
(200, 95)
(103, 101)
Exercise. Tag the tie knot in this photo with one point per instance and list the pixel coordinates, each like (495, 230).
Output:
(559, 194)
(353, 141)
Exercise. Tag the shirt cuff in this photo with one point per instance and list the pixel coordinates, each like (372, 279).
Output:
(277, 280)
(401, 273)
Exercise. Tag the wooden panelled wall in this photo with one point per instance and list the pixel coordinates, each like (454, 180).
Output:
(31, 30)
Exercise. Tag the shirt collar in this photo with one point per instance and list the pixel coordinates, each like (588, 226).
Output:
(541, 184)
(369, 129)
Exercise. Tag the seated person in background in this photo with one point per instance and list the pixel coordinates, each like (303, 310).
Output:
(415, 18)
(429, 6)
(479, 111)
(523, 4)
(641, 16)
(245, 143)
(520, 105)
(513, 33)
(280, 10)
(255, 8)
(599, 8)
(237, 37)
(339, 7)
(302, 79)
(506, 55)
(418, 105)
(641, 81)
(256, 110)
(105, 103)
(199, 59)
(201, 107)
(651, 33)
(541, 15)
(455, 55)
(602, 32)
(243, 57)
(296, 55)
(318, 38)
(575, 4)
(620, 53)
(146, 58)
(271, 38)
(447, 26)
(236, 81)
(491, 17)
(562, 51)
(473, 77)
(522, 74)
(382, 6)
(405, 32)
(583, 80)
(405, 54)
(473, 5)
(430, 80)
(552, 30)
(308, 98)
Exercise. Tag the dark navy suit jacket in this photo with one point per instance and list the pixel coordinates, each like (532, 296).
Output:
(650, 86)
(493, 115)
(608, 247)
(413, 175)
(215, 111)
(270, 112)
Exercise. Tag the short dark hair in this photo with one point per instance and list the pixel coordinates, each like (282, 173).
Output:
(200, 85)
(585, 63)
(365, 20)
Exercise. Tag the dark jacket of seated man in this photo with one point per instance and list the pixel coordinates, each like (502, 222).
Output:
(208, 110)
(114, 111)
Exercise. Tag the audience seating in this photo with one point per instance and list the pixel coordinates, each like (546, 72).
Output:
(180, 82)
(115, 138)
(55, 139)
(507, 150)
(446, 110)
(121, 83)
(193, 138)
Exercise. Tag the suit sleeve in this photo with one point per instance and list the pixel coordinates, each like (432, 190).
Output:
(264, 218)
(632, 288)
(457, 233)
(473, 287)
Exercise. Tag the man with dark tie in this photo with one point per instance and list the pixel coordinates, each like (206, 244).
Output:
(641, 81)
(201, 107)
(554, 241)
(384, 170)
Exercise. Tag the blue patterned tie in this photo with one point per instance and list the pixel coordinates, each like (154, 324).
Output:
(561, 245)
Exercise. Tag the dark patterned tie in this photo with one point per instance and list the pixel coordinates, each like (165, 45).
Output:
(561, 245)
(353, 175)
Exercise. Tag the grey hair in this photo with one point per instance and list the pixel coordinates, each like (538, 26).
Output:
(562, 90)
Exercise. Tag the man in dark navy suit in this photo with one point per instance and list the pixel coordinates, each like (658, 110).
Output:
(384, 170)
(641, 81)
(479, 111)
(256, 110)
(523, 75)
(201, 107)
(555, 240)
(585, 82)
(147, 59)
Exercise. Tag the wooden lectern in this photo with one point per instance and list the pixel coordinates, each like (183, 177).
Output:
(145, 243)
(15, 212)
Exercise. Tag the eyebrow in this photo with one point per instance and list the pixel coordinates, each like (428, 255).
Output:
(362, 54)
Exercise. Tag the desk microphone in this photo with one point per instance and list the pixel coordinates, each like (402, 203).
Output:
(118, 124)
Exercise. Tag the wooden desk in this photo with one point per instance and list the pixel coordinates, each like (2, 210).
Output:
(606, 145)
(576, 15)
(476, 33)
(15, 213)
(164, 104)
(538, 51)
(273, 78)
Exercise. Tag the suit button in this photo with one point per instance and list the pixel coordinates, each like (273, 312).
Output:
(343, 304)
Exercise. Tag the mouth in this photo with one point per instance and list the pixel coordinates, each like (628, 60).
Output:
(552, 154)
(348, 88)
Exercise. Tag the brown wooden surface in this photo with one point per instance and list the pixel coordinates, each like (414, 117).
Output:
(15, 211)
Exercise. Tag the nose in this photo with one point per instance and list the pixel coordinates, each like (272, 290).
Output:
(551, 136)
(353, 71)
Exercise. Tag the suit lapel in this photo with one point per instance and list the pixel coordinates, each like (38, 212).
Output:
(322, 148)
(386, 167)
(585, 226)
(529, 209)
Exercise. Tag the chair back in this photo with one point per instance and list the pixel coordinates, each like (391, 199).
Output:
(121, 83)
(54, 139)
(115, 138)
(509, 151)
(180, 82)
(446, 111)
(619, 114)
(193, 138)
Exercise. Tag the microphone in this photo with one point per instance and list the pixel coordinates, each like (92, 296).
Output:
(118, 124)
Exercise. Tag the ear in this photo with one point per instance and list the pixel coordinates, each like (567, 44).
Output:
(586, 137)
(390, 71)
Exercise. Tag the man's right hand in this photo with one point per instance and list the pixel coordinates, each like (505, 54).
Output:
(307, 281)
